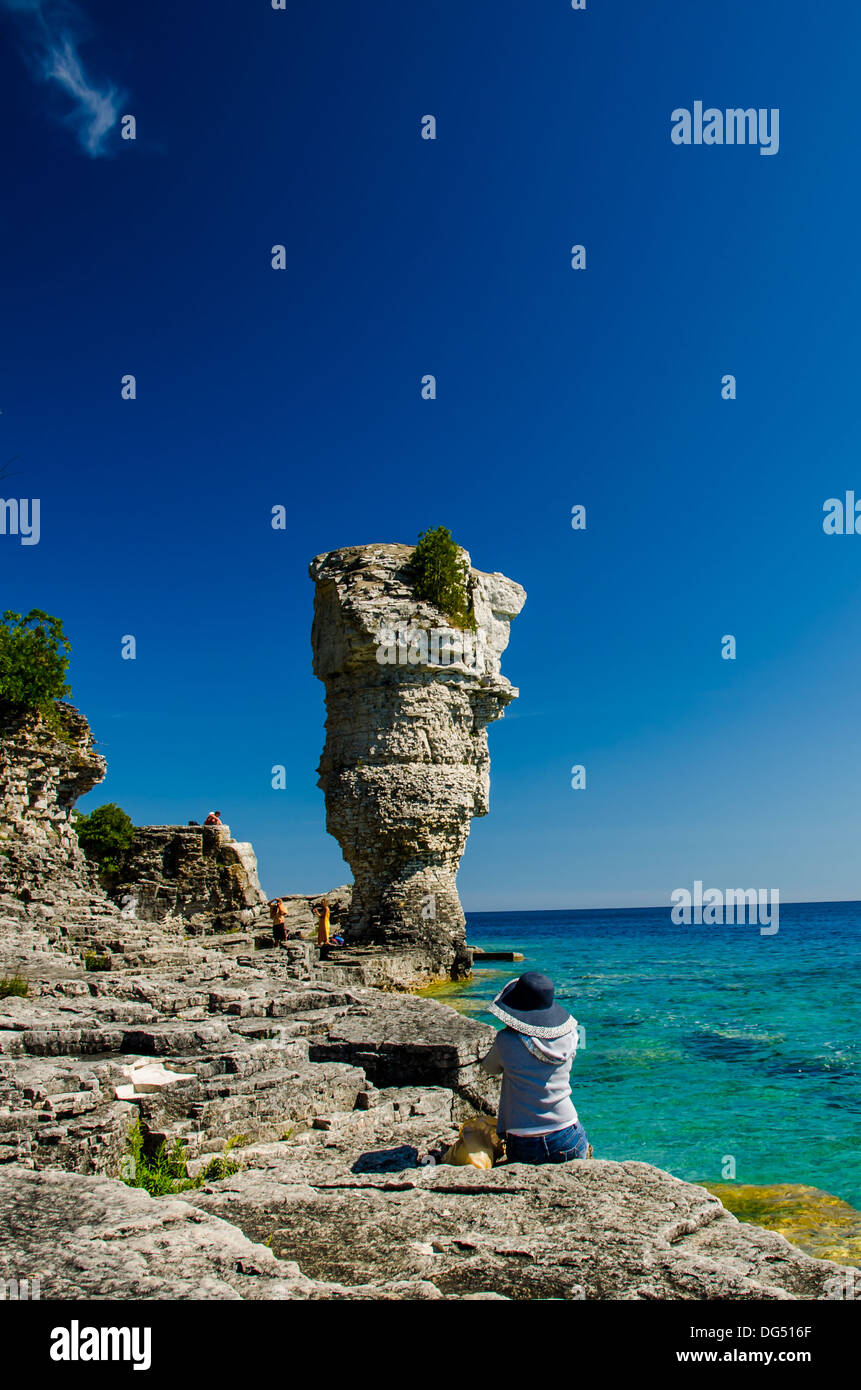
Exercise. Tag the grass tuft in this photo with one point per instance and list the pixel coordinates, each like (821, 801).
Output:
(15, 985)
(93, 961)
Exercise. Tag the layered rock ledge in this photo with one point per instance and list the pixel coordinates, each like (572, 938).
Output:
(329, 1100)
(323, 1099)
(44, 769)
(197, 873)
(350, 1214)
(406, 766)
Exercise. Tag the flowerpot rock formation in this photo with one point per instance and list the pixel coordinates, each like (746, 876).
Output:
(406, 766)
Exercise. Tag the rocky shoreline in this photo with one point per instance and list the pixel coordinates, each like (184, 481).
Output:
(324, 1099)
(301, 1099)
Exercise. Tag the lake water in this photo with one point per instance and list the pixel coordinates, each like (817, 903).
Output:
(705, 1046)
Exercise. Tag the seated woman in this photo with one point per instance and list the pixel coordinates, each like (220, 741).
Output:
(534, 1052)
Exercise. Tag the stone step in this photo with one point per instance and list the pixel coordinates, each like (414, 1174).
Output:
(308, 1001)
(258, 1103)
(259, 1057)
(231, 943)
(355, 975)
(354, 1121)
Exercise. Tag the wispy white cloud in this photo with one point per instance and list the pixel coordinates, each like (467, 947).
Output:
(98, 110)
(50, 35)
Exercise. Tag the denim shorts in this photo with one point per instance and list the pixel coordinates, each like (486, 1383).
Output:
(559, 1147)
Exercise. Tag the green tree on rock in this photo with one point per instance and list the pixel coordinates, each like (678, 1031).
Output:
(34, 658)
(440, 574)
(104, 835)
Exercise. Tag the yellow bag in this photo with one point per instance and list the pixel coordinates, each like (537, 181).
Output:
(477, 1144)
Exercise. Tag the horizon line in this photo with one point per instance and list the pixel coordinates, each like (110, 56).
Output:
(644, 907)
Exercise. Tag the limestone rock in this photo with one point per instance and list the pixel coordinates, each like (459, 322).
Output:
(247, 1050)
(49, 891)
(406, 765)
(413, 1042)
(119, 1243)
(196, 875)
(589, 1230)
(146, 1078)
(303, 1224)
(43, 771)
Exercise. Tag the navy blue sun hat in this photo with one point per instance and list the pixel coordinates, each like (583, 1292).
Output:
(528, 1006)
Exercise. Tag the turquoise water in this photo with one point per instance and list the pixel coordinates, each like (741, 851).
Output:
(704, 1042)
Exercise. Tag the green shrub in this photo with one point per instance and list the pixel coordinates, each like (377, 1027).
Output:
(165, 1172)
(14, 984)
(34, 658)
(93, 961)
(159, 1174)
(440, 574)
(104, 836)
(216, 1170)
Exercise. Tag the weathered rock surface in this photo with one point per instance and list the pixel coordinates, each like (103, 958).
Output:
(196, 873)
(594, 1230)
(258, 1051)
(295, 1077)
(43, 772)
(406, 766)
(120, 1244)
(412, 1042)
(48, 888)
(50, 896)
(349, 1213)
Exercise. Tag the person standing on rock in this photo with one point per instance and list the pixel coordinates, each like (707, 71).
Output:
(533, 1053)
(278, 913)
(321, 912)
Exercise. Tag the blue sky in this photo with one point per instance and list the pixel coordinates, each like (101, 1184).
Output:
(301, 387)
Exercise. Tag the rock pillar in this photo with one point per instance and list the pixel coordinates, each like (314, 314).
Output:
(406, 766)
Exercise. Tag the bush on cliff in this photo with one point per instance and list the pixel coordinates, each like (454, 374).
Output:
(34, 658)
(104, 836)
(440, 574)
